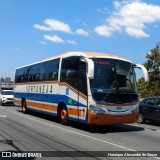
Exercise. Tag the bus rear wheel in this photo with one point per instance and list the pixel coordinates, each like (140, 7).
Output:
(24, 106)
(63, 116)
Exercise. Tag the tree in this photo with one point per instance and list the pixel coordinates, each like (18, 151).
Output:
(153, 66)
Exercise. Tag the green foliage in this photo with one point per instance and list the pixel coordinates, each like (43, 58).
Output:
(153, 66)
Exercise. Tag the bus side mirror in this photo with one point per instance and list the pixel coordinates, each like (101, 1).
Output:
(145, 72)
(90, 67)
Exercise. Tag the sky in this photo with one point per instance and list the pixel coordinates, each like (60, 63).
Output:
(32, 30)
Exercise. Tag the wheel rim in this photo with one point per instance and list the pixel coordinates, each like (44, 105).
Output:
(140, 117)
(23, 107)
(63, 115)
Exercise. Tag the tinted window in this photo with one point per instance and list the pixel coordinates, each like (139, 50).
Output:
(38, 72)
(82, 78)
(74, 73)
(158, 102)
(69, 72)
(150, 101)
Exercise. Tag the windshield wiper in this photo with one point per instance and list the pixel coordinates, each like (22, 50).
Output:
(115, 83)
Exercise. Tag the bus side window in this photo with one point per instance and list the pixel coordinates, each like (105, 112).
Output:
(55, 75)
(33, 78)
(69, 72)
(51, 69)
(29, 78)
(63, 74)
(82, 78)
(82, 81)
(37, 77)
(21, 79)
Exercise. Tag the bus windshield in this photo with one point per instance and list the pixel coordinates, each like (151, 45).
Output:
(114, 81)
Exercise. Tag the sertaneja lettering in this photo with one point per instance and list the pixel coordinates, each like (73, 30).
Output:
(51, 89)
(39, 89)
(47, 89)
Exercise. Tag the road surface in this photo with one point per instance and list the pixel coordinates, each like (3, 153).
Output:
(37, 135)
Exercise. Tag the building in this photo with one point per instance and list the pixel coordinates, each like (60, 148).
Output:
(6, 83)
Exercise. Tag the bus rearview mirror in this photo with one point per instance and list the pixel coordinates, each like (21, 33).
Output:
(90, 68)
(145, 72)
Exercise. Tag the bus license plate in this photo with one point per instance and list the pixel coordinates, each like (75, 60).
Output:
(118, 117)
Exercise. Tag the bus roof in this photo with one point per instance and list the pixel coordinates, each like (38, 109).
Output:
(88, 55)
(77, 53)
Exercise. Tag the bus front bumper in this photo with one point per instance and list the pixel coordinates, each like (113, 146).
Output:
(108, 119)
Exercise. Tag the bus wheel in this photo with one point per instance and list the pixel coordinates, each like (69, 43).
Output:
(63, 116)
(24, 106)
(141, 118)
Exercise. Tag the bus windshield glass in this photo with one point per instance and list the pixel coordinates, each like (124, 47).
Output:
(114, 81)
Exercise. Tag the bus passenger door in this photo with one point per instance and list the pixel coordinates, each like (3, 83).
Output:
(69, 86)
(82, 92)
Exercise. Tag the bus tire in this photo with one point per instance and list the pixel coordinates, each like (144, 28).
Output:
(63, 115)
(24, 106)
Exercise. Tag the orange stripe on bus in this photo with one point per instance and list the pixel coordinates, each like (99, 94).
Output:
(16, 101)
(42, 106)
(73, 111)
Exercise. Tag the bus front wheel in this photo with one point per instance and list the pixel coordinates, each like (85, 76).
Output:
(63, 116)
(24, 106)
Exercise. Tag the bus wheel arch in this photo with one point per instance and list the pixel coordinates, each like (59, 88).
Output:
(62, 113)
(24, 105)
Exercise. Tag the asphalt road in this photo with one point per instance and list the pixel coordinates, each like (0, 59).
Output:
(37, 135)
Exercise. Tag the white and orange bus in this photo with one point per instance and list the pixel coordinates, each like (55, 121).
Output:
(88, 87)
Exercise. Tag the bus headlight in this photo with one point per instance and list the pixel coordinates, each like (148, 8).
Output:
(96, 109)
